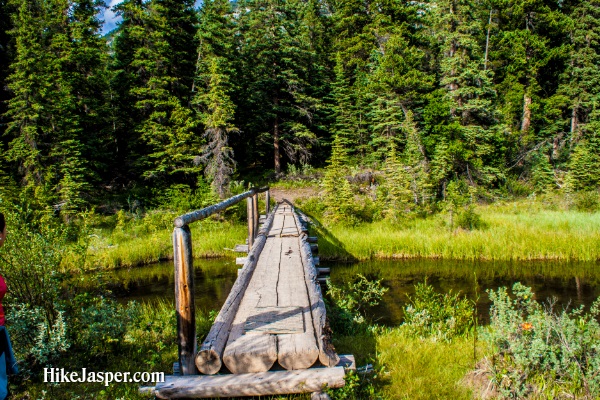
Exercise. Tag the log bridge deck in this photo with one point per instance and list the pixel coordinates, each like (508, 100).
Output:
(270, 336)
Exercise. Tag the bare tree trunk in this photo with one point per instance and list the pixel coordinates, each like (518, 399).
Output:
(526, 123)
(574, 122)
(276, 146)
(487, 41)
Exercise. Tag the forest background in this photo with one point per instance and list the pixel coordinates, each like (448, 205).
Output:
(494, 95)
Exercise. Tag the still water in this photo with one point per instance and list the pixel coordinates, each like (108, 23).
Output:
(571, 284)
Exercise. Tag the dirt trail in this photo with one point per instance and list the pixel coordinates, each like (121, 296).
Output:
(291, 195)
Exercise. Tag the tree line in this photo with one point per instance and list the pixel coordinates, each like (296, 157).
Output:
(490, 93)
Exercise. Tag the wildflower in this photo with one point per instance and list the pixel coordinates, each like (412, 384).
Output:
(526, 326)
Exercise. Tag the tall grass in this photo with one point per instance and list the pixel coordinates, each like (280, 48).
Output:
(423, 368)
(512, 233)
(139, 244)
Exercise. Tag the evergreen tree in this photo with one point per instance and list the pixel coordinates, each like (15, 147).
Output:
(338, 196)
(56, 112)
(276, 56)
(394, 195)
(168, 126)
(464, 124)
(581, 80)
(584, 166)
(218, 110)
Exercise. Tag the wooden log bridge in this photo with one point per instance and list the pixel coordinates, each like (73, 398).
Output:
(270, 336)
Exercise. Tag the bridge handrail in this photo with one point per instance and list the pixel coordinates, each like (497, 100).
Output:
(205, 212)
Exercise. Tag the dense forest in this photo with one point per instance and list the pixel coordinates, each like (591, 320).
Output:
(491, 94)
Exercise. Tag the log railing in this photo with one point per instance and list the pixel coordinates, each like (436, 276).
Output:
(184, 270)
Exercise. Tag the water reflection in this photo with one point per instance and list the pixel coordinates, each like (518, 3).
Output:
(572, 284)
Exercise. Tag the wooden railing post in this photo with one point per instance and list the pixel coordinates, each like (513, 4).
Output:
(255, 213)
(251, 226)
(184, 299)
(267, 201)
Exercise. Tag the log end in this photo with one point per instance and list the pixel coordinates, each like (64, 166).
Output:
(208, 362)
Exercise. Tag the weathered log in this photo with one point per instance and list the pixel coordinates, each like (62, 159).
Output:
(327, 354)
(255, 353)
(256, 384)
(316, 260)
(184, 299)
(296, 350)
(208, 359)
(312, 239)
(324, 271)
(319, 396)
(314, 248)
(197, 215)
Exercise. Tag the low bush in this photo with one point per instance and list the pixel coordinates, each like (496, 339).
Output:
(438, 316)
(541, 352)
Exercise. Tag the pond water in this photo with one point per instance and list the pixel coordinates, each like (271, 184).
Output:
(572, 284)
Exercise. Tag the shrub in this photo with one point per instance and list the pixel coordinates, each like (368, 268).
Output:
(540, 352)
(36, 341)
(588, 201)
(437, 316)
(349, 303)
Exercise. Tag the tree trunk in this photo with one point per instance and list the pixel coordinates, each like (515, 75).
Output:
(526, 123)
(276, 146)
(574, 123)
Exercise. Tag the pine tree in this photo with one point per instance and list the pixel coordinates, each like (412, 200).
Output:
(168, 125)
(218, 111)
(56, 111)
(467, 120)
(276, 56)
(581, 78)
(338, 196)
(394, 195)
(584, 166)
(542, 174)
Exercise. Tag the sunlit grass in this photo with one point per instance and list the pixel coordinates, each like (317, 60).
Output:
(424, 369)
(144, 242)
(512, 233)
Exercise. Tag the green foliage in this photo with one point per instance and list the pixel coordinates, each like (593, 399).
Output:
(540, 351)
(438, 316)
(350, 302)
(542, 174)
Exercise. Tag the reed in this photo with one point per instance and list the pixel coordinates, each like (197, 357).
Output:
(512, 233)
(135, 245)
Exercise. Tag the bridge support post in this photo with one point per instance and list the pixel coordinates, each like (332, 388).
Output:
(267, 201)
(255, 214)
(251, 225)
(184, 299)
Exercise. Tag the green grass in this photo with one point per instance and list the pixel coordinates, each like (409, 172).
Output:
(148, 240)
(517, 231)
(424, 369)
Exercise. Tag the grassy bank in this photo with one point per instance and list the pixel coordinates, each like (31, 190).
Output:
(517, 231)
(131, 242)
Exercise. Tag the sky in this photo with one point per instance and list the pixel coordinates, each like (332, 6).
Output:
(111, 20)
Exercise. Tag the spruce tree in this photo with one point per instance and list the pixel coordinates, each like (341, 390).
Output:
(276, 56)
(217, 115)
(57, 109)
(167, 126)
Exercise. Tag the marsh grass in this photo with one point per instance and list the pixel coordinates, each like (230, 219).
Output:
(517, 231)
(148, 240)
(424, 368)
